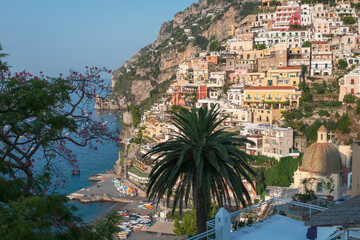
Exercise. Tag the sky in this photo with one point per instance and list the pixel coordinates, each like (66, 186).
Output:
(54, 36)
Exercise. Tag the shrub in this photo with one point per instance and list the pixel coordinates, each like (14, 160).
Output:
(307, 44)
(214, 46)
(358, 106)
(343, 124)
(320, 89)
(311, 131)
(342, 64)
(323, 113)
(293, 114)
(349, 98)
(308, 108)
(260, 46)
(349, 20)
(308, 114)
(202, 42)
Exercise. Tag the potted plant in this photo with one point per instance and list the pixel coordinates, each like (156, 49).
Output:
(329, 186)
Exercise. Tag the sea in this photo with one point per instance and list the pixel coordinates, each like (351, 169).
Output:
(91, 162)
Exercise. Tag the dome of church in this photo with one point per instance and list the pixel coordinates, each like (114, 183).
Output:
(322, 157)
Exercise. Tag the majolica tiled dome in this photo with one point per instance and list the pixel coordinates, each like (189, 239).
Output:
(322, 157)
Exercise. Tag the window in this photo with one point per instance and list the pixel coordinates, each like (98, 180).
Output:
(319, 187)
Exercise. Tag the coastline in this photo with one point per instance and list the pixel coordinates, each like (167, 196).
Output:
(104, 190)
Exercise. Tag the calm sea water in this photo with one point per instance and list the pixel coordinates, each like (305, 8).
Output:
(92, 162)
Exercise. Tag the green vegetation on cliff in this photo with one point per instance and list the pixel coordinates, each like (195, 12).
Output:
(281, 174)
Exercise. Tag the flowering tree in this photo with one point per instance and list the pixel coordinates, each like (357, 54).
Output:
(41, 117)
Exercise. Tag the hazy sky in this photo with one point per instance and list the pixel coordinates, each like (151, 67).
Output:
(55, 35)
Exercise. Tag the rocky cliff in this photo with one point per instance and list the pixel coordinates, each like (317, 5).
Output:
(147, 73)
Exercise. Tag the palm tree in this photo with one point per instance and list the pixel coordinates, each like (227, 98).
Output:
(201, 162)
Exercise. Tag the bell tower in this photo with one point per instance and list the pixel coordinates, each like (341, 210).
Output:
(322, 135)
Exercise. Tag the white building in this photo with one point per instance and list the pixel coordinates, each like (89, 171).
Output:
(274, 141)
(306, 14)
(234, 94)
(293, 38)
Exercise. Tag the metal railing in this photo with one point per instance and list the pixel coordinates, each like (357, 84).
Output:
(334, 236)
(260, 212)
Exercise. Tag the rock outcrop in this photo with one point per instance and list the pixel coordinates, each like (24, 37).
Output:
(157, 62)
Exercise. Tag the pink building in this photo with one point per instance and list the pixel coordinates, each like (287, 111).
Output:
(296, 18)
(286, 16)
(237, 76)
(350, 84)
(322, 26)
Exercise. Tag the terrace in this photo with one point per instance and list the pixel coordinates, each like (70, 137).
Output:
(276, 218)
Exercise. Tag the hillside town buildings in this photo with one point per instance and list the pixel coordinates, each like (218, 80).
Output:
(256, 77)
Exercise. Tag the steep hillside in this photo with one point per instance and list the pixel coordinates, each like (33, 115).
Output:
(149, 72)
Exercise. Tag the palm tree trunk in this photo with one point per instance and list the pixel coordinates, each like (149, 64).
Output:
(201, 213)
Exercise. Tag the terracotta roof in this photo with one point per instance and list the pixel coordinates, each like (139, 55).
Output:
(346, 213)
(286, 68)
(270, 88)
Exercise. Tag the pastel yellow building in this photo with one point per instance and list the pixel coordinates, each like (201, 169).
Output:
(283, 76)
(268, 102)
(251, 54)
(255, 78)
(154, 129)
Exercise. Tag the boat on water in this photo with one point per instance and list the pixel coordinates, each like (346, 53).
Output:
(75, 172)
